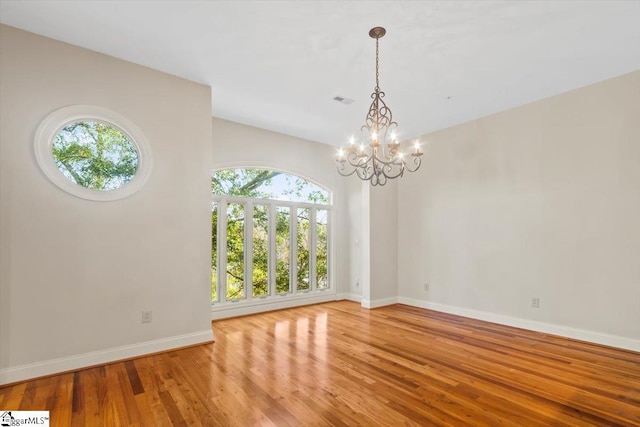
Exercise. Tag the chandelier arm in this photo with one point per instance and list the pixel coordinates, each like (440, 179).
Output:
(362, 166)
(376, 171)
(390, 163)
(365, 173)
(357, 161)
(416, 161)
(389, 172)
(340, 167)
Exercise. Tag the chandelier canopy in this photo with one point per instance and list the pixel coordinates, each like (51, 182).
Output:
(377, 156)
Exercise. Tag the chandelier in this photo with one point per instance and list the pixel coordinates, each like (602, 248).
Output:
(377, 157)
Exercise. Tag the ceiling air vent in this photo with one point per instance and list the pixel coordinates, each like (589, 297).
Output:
(343, 100)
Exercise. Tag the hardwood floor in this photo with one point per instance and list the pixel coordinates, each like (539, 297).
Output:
(338, 364)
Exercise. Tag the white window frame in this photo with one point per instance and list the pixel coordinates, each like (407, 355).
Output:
(249, 300)
(52, 124)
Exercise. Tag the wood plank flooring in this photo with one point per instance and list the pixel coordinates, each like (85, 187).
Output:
(338, 364)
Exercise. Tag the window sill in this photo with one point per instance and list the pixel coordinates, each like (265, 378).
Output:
(258, 305)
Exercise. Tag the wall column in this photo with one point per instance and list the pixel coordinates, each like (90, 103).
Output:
(379, 244)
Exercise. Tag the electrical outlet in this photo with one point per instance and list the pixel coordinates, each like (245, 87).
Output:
(358, 283)
(426, 286)
(535, 302)
(146, 317)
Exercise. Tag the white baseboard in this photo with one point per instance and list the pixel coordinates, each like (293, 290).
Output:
(379, 302)
(563, 331)
(78, 361)
(350, 297)
(243, 308)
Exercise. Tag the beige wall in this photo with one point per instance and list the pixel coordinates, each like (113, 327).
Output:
(380, 232)
(538, 201)
(76, 274)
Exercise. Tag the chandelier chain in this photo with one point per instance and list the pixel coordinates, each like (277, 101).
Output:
(377, 69)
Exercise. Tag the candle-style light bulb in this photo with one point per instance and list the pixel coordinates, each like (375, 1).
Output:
(417, 152)
(393, 136)
(374, 135)
(361, 148)
(340, 153)
(352, 140)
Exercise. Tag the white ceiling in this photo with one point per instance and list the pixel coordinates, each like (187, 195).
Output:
(278, 64)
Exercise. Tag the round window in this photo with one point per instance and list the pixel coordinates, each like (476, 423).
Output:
(92, 153)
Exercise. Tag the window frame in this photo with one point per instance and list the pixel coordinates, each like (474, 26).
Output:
(52, 124)
(249, 202)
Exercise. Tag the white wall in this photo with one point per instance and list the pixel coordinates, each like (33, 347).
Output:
(76, 274)
(356, 238)
(238, 145)
(538, 201)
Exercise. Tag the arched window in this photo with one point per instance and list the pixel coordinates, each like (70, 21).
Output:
(270, 236)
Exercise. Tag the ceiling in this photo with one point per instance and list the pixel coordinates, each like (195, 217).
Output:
(279, 64)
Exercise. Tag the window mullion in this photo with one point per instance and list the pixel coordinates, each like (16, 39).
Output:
(272, 249)
(312, 249)
(222, 250)
(293, 249)
(248, 250)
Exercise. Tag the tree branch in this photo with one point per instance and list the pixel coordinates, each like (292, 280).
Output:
(257, 181)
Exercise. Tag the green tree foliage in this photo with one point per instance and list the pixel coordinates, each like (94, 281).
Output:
(302, 240)
(283, 250)
(260, 278)
(256, 183)
(322, 250)
(235, 251)
(95, 155)
(243, 182)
